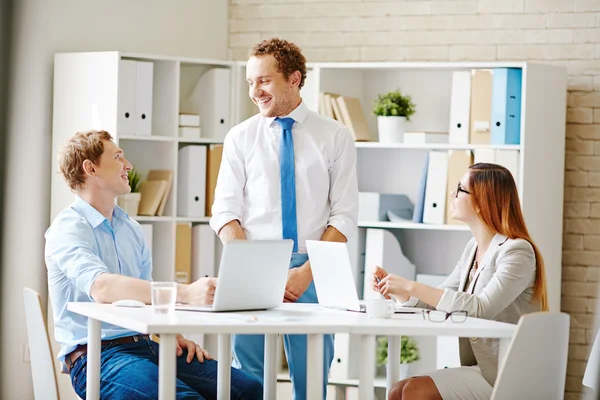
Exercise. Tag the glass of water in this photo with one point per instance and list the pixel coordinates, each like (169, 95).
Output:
(164, 295)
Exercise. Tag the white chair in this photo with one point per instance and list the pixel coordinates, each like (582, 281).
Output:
(42, 365)
(592, 369)
(535, 366)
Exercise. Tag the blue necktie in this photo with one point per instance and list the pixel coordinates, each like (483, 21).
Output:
(288, 181)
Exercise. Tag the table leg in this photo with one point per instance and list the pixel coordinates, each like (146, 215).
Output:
(366, 373)
(270, 373)
(93, 359)
(314, 367)
(503, 345)
(167, 366)
(393, 363)
(224, 369)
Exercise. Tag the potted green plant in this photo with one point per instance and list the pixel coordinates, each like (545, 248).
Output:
(409, 353)
(130, 202)
(392, 109)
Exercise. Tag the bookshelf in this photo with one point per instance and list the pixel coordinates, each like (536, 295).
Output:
(87, 95)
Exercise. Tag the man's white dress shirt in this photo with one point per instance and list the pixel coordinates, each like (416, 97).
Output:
(248, 186)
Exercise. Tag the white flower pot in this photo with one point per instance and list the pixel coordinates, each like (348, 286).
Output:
(404, 371)
(391, 129)
(130, 203)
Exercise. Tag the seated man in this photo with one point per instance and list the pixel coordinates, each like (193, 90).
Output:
(95, 252)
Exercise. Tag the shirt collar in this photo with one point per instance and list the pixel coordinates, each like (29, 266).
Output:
(93, 216)
(298, 114)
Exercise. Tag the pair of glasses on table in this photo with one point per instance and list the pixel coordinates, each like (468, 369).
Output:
(441, 316)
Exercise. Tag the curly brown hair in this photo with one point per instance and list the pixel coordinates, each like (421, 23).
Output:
(288, 56)
(82, 146)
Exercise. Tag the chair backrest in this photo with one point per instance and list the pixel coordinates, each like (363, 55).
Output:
(592, 369)
(42, 364)
(535, 366)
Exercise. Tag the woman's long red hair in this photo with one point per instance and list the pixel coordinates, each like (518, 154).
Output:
(496, 197)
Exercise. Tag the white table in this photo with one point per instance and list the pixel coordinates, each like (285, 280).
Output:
(307, 319)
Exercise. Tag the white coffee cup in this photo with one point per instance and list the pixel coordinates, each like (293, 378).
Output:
(380, 308)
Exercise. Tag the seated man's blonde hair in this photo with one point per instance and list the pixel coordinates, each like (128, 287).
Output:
(78, 148)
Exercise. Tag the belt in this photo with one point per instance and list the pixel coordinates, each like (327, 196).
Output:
(81, 349)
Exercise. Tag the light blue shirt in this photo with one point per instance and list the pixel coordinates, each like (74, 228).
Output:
(80, 245)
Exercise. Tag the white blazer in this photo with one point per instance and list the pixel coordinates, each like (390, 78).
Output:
(501, 290)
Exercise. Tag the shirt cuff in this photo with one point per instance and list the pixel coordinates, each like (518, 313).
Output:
(219, 221)
(342, 225)
(445, 303)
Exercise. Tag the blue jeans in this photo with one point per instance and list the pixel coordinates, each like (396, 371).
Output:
(249, 350)
(130, 371)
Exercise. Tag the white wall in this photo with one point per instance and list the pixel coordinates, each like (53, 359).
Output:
(194, 28)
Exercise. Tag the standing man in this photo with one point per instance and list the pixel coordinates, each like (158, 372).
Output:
(286, 173)
(95, 253)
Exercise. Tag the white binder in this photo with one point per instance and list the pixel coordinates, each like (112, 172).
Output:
(460, 107)
(382, 249)
(191, 187)
(143, 98)
(484, 156)
(211, 98)
(203, 252)
(126, 99)
(435, 188)
(346, 358)
(510, 160)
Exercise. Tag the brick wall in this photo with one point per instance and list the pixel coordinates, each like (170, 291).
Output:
(561, 32)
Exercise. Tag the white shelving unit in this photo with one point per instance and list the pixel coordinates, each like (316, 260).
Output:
(86, 95)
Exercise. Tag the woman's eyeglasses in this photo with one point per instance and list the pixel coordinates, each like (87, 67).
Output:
(460, 189)
(441, 316)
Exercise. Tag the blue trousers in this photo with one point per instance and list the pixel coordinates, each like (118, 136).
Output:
(130, 371)
(249, 350)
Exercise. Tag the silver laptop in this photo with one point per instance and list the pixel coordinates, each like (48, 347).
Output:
(334, 282)
(252, 276)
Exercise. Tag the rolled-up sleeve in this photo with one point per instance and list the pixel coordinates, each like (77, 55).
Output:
(515, 272)
(230, 185)
(70, 247)
(343, 190)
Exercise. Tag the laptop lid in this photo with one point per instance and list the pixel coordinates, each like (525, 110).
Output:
(332, 274)
(252, 276)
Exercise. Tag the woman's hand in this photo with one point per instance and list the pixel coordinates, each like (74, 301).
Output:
(395, 285)
(377, 276)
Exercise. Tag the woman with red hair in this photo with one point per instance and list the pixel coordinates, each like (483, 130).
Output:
(500, 276)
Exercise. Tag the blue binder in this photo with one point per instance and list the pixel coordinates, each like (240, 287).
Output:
(506, 106)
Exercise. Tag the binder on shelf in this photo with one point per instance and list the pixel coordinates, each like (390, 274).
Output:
(203, 252)
(346, 360)
(126, 98)
(152, 193)
(460, 107)
(420, 203)
(481, 106)
(191, 183)
(215, 154)
(143, 98)
(459, 162)
(183, 253)
(148, 235)
(510, 160)
(210, 99)
(435, 189)
(487, 156)
(506, 106)
(162, 175)
(383, 249)
(354, 118)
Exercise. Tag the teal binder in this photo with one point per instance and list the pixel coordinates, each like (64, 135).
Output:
(506, 106)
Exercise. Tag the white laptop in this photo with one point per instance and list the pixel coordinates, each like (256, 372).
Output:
(252, 276)
(334, 282)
